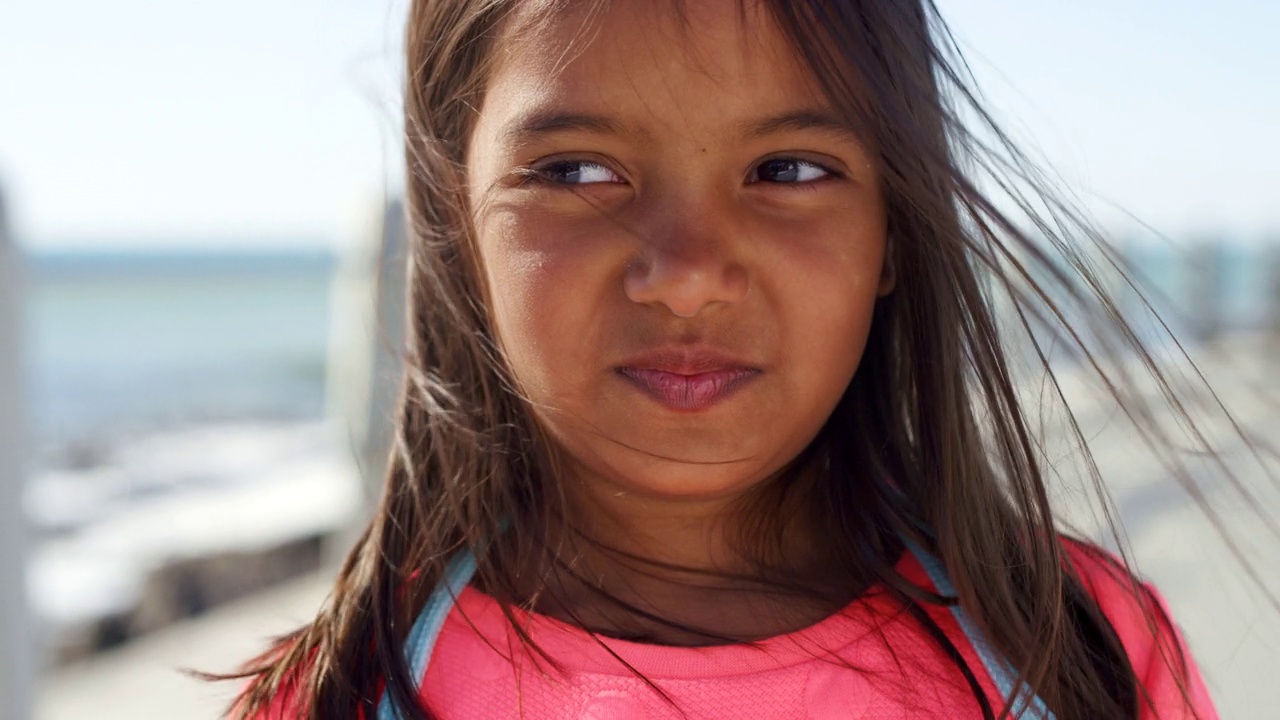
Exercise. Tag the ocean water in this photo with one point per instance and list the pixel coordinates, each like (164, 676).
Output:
(120, 345)
(1235, 282)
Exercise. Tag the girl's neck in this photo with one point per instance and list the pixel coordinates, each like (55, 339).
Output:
(677, 572)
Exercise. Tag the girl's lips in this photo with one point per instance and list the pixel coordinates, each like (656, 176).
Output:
(688, 392)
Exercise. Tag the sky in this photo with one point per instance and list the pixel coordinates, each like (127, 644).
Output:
(1165, 112)
(274, 122)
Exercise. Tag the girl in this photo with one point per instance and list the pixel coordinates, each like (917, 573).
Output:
(706, 412)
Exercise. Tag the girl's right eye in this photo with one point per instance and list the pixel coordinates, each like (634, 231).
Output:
(575, 172)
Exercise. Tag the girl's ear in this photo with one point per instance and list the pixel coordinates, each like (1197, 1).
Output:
(888, 276)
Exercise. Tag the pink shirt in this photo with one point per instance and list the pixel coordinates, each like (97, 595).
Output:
(479, 670)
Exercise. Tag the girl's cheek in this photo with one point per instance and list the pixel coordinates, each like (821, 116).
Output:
(544, 276)
(843, 247)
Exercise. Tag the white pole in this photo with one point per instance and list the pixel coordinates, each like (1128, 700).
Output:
(366, 347)
(16, 665)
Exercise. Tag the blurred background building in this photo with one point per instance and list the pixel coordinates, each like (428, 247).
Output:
(201, 204)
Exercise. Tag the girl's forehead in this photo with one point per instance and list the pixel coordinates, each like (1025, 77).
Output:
(574, 21)
(653, 60)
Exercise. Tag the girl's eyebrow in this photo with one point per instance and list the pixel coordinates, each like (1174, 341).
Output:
(545, 121)
(803, 119)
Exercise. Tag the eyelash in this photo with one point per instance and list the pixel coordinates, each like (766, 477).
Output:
(542, 174)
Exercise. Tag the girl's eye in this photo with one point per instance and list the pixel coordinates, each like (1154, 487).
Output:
(788, 170)
(576, 172)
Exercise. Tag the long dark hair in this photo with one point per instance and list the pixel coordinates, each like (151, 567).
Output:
(945, 451)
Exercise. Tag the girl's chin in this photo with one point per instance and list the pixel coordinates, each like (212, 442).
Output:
(681, 474)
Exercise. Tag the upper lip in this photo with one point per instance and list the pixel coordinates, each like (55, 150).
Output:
(687, 360)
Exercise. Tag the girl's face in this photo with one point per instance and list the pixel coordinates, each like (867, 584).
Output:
(682, 243)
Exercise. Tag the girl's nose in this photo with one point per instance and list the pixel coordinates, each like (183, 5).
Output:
(690, 266)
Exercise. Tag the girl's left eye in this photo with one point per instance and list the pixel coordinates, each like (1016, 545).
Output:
(788, 170)
(576, 172)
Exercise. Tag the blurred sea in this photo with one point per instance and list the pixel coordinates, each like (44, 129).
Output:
(123, 344)
(176, 408)
(1239, 278)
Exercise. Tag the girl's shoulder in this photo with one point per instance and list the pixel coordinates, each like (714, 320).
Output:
(1154, 644)
(1135, 609)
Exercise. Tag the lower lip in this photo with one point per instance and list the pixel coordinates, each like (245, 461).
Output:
(688, 393)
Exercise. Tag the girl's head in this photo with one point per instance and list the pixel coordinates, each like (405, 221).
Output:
(720, 252)
(681, 239)
(661, 230)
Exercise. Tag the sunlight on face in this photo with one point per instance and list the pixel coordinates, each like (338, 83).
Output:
(683, 244)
